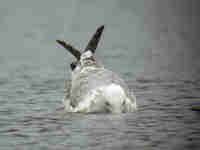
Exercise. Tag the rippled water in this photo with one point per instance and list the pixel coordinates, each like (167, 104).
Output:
(153, 47)
(32, 116)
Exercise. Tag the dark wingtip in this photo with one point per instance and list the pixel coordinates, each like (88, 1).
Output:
(70, 48)
(60, 42)
(101, 28)
(93, 43)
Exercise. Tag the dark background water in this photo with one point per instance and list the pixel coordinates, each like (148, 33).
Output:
(152, 44)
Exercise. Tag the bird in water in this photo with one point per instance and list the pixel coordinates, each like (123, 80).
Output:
(93, 88)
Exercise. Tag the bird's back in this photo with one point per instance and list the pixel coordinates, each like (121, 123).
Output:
(96, 80)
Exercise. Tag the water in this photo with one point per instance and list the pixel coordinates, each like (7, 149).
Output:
(33, 118)
(154, 48)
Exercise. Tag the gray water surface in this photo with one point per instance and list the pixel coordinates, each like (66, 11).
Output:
(164, 119)
(153, 45)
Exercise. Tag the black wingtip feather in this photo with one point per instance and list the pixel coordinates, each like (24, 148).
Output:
(93, 43)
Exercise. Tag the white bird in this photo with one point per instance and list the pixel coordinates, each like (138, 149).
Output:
(94, 88)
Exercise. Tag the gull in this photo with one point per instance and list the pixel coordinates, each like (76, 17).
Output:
(93, 88)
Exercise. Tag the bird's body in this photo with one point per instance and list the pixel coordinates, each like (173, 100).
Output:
(99, 90)
(96, 89)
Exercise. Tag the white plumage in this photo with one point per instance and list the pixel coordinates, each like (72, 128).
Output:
(111, 98)
(94, 88)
